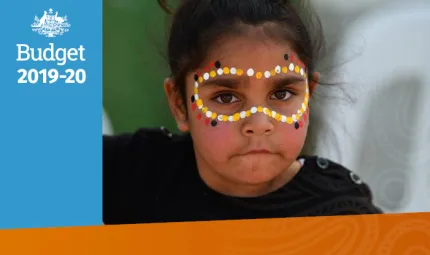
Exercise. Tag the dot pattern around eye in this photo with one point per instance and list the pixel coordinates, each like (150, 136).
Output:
(212, 117)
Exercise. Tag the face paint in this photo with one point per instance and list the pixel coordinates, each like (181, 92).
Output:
(213, 118)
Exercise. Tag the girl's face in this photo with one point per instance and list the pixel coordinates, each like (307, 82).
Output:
(248, 126)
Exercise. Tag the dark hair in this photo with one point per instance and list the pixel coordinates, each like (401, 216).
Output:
(197, 24)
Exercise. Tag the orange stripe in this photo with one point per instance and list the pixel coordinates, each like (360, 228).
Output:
(374, 234)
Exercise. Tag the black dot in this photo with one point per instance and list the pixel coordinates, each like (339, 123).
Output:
(217, 64)
(286, 56)
(196, 77)
(214, 123)
(296, 125)
(192, 99)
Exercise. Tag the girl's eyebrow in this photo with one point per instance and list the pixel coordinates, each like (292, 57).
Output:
(222, 81)
(287, 80)
(234, 82)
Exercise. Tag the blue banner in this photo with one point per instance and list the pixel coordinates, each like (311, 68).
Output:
(50, 113)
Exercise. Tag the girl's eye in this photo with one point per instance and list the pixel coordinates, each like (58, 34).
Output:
(281, 95)
(226, 99)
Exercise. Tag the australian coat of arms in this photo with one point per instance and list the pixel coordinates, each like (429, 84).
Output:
(50, 24)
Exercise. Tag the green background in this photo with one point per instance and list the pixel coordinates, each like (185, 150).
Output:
(135, 65)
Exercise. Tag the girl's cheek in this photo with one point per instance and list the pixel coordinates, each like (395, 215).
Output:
(219, 137)
(290, 134)
(292, 137)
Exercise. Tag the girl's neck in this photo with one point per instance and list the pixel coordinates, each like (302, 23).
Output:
(227, 187)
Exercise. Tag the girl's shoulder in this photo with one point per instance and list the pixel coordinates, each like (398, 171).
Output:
(150, 144)
(344, 191)
(145, 150)
(136, 167)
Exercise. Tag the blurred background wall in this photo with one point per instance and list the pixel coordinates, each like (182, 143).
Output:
(134, 65)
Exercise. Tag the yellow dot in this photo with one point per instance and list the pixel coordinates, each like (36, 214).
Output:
(200, 79)
(302, 110)
(196, 90)
(305, 75)
(248, 113)
(297, 69)
(278, 117)
(273, 72)
(204, 110)
(224, 118)
(239, 72)
(289, 120)
(260, 109)
(236, 116)
(285, 69)
(259, 75)
(199, 102)
(214, 115)
(226, 70)
(212, 74)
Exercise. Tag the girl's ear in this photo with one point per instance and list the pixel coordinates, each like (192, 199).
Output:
(176, 104)
(315, 78)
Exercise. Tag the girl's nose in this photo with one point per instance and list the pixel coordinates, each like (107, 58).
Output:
(258, 125)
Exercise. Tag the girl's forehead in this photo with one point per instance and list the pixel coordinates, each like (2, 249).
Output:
(249, 52)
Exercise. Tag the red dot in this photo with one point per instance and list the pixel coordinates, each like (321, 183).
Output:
(305, 117)
(212, 64)
(207, 69)
(292, 58)
(199, 116)
(199, 74)
(193, 107)
(301, 123)
(207, 122)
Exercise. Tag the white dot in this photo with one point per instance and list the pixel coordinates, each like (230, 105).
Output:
(307, 90)
(306, 100)
(299, 113)
(196, 97)
(196, 84)
(277, 69)
(265, 111)
(233, 70)
(220, 117)
(206, 76)
(250, 72)
(253, 109)
(302, 72)
(267, 74)
(273, 114)
(291, 67)
(230, 118)
(243, 114)
(208, 114)
(294, 117)
(201, 106)
(220, 71)
(284, 118)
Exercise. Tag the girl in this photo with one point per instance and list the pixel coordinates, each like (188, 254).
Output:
(243, 76)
